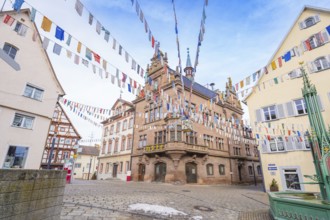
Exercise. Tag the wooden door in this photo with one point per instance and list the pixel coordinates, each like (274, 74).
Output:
(142, 171)
(160, 172)
(191, 172)
(114, 170)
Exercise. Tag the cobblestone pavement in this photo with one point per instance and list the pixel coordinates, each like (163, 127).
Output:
(110, 199)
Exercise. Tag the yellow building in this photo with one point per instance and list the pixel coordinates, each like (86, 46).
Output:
(117, 142)
(86, 163)
(276, 106)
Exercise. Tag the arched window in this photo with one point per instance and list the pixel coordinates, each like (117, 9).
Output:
(209, 169)
(11, 50)
(309, 21)
(321, 63)
(222, 170)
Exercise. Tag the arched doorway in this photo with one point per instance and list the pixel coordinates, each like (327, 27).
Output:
(114, 170)
(141, 172)
(160, 172)
(191, 172)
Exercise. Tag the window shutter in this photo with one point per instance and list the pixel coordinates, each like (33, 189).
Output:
(264, 147)
(298, 144)
(289, 144)
(317, 18)
(289, 109)
(293, 74)
(302, 25)
(320, 103)
(304, 46)
(280, 111)
(298, 72)
(311, 67)
(259, 115)
(325, 36)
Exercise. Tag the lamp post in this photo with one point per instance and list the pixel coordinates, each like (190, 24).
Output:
(51, 151)
(90, 165)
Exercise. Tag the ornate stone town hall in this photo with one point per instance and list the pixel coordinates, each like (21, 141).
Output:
(185, 132)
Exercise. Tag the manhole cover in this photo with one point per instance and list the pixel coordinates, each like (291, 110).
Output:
(185, 190)
(203, 208)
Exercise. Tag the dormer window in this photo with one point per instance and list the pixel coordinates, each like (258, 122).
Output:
(308, 22)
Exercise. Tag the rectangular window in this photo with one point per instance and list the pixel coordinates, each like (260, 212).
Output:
(77, 165)
(129, 143)
(259, 170)
(146, 118)
(101, 167)
(10, 50)
(250, 169)
(118, 127)
(179, 133)
(247, 149)
(172, 134)
(116, 146)
(130, 125)
(209, 170)
(291, 177)
(270, 113)
(276, 144)
(33, 92)
(127, 166)
(152, 115)
(111, 129)
(222, 169)
(123, 144)
(143, 141)
(301, 106)
(107, 168)
(23, 121)
(124, 125)
(121, 166)
(16, 157)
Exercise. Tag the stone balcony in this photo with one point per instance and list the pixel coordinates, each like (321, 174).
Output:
(174, 146)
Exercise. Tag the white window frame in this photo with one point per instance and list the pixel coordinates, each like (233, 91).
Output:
(34, 90)
(268, 110)
(277, 142)
(283, 180)
(321, 61)
(302, 103)
(22, 123)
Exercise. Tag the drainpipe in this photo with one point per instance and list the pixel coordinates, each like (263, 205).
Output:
(262, 173)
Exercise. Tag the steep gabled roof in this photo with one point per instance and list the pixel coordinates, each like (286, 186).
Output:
(62, 109)
(306, 7)
(28, 12)
(89, 150)
(122, 101)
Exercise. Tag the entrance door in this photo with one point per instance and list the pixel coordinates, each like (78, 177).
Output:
(191, 172)
(240, 172)
(160, 172)
(142, 171)
(114, 170)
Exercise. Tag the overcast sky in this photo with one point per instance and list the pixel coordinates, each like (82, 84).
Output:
(240, 38)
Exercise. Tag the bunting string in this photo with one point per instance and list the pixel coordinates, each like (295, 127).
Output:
(103, 70)
(201, 34)
(322, 37)
(80, 8)
(142, 18)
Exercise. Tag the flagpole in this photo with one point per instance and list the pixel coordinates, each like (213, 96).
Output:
(3, 5)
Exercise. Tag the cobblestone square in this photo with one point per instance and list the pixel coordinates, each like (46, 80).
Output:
(111, 199)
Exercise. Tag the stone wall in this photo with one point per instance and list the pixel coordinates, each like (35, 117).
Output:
(31, 194)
